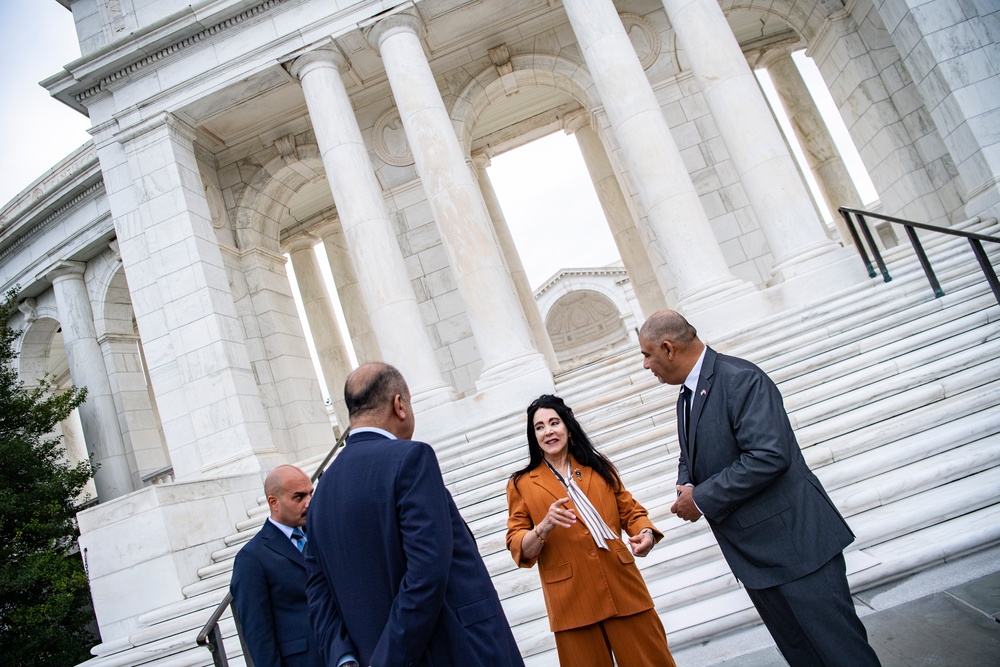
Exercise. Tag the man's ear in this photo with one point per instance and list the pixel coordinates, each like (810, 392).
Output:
(399, 406)
(667, 347)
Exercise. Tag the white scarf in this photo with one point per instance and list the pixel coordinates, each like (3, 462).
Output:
(585, 509)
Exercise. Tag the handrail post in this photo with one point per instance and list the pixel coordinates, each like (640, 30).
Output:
(857, 242)
(871, 244)
(924, 262)
(217, 648)
(984, 264)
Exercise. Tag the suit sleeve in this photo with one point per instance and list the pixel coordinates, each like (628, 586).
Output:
(324, 615)
(633, 516)
(252, 602)
(423, 507)
(518, 524)
(765, 441)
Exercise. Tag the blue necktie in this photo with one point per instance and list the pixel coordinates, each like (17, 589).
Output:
(298, 539)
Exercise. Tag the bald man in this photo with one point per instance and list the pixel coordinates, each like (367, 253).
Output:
(269, 578)
(741, 468)
(395, 577)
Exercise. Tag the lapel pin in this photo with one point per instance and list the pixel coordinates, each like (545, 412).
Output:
(703, 392)
(578, 474)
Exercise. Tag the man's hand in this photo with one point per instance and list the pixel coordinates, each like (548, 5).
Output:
(641, 543)
(684, 506)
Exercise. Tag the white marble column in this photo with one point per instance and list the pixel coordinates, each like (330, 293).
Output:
(137, 418)
(330, 347)
(820, 150)
(371, 240)
(679, 230)
(512, 259)
(208, 398)
(497, 320)
(776, 192)
(86, 366)
(352, 301)
(616, 211)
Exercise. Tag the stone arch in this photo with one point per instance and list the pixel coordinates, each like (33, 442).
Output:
(264, 200)
(529, 70)
(584, 323)
(35, 346)
(808, 24)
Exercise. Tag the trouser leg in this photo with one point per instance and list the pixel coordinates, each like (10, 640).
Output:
(813, 620)
(639, 640)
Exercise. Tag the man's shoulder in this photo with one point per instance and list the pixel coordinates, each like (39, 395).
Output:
(725, 363)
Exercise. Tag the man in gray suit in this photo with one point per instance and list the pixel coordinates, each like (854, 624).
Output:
(741, 467)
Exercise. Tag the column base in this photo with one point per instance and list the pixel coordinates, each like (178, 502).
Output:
(843, 272)
(984, 202)
(802, 262)
(426, 398)
(713, 294)
(504, 389)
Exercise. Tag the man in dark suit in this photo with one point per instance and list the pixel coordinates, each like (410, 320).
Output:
(741, 467)
(395, 578)
(269, 578)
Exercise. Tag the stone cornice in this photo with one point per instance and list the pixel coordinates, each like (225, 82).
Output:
(88, 76)
(612, 271)
(39, 227)
(81, 161)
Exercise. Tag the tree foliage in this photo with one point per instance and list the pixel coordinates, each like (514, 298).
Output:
(44, 596)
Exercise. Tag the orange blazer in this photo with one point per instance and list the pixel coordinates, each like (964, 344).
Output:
(582, 584)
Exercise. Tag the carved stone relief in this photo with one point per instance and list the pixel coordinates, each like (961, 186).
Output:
(389, 140)
(644, 37)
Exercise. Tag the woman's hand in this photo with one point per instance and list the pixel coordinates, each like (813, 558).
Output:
(557, 515)
(642, 543)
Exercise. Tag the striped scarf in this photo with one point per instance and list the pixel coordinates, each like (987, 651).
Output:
(585, 510)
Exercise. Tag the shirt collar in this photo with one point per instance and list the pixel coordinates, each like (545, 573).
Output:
(287, 530)
(692, 379)
(373, 429)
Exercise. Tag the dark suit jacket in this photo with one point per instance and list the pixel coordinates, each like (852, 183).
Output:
(269, 595)
(394, 574)
(769, 512)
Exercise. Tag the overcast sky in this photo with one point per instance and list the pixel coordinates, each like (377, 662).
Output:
(544, 187)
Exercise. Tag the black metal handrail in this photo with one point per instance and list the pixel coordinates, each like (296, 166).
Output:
(211, 635)
(975, 240)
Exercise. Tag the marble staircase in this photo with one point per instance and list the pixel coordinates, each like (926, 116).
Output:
(895, 398)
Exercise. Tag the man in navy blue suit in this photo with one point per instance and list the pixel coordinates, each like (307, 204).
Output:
(269, 578)
(741, 468)
(395, 578)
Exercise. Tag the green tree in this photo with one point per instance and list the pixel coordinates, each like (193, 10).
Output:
(44, 597)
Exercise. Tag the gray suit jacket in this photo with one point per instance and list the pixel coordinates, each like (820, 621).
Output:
(769, 512)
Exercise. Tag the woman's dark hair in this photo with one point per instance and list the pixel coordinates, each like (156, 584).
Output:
(580, 446)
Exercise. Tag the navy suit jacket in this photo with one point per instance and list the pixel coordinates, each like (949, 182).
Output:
(269, 595)
(769, 512)
(394, 574)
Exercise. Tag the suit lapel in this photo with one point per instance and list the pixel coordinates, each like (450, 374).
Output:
(698, 400)
(276, 541)
(543, 478)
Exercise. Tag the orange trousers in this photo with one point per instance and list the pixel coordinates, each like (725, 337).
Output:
(635, 641)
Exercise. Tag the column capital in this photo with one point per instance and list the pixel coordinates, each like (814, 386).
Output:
(768, 55)
(575, 121)
(393, 24)
(65, 269)
(301, 241)
(327, 55)
(159, 121)
(480, 160)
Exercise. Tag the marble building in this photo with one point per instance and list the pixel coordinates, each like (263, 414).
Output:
(232, 139)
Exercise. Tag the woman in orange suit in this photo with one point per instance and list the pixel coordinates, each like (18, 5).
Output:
(568, 509)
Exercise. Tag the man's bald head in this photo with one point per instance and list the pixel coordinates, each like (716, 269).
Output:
(376, 395)
(670, 346)
(288, 491)
(668, 325)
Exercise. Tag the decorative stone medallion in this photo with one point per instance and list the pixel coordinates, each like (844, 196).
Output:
(389, 140)
(644, 37)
